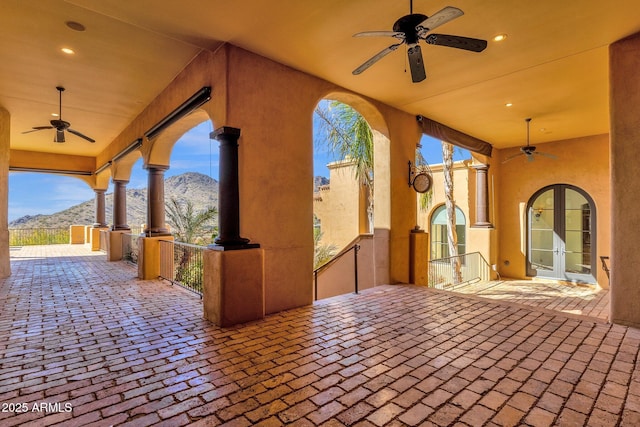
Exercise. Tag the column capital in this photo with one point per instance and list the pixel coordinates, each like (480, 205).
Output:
(157, 167)
(225, 132)
(480, 166)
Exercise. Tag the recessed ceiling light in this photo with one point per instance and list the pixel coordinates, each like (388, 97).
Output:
(67, 50)
(75, 26)
(499, 37)
(55, 114)
(508, 104)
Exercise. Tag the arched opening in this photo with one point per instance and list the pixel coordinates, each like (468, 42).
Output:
(191, 187)
(343, 177)
(438, 234)
(32, 194)
(561, 235)
(351, 203)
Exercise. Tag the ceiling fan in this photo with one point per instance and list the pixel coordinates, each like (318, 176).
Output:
(412, 28)
(60, 125)
(529, 150)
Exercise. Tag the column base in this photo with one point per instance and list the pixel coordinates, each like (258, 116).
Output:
(149, 256)
(233, 286)
(114, 248)
(95, 237)
(76, 235)
(419, 254)
(482, 225)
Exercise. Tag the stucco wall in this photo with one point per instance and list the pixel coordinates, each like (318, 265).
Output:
(461, 193)
(582, 162)
(5, 122)
(625, 185)
(273, 106)
(339, 209)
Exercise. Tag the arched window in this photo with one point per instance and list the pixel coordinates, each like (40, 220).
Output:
(439, 240)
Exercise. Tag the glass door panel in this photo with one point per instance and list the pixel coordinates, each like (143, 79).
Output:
(541, 232)
(577, 233)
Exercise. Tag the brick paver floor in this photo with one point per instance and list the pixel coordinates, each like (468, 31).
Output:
(578, 299)
(84, 343)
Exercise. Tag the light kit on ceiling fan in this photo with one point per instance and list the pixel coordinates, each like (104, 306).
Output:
(412, 28)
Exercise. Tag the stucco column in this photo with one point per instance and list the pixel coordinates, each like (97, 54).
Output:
(5, 122)
(624, 102)
(155, 202)
(120, 205)
(482, 197)
(229, 191)
(101, 216)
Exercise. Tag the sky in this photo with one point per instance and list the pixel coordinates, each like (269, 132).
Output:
(34, 193)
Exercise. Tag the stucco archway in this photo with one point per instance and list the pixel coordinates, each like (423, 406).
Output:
(158, 150)
(380, 220)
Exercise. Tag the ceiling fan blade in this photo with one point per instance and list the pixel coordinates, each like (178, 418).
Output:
(442, 17)
(36, 128)
(550, 156)
(511, 157)
(415, 64)
(530, 157)
(396, 34)
(75, 132)
(59, 137)
(378, 56)
(459, 42)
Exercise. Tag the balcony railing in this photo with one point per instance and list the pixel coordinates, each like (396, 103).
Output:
(38, 236)
(130, 248)
(451, 272)
(181, 264)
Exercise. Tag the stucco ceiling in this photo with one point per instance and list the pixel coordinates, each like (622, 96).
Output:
(553, 66)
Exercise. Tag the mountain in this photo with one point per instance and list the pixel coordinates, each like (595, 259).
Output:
(200, 189)
(319, 181)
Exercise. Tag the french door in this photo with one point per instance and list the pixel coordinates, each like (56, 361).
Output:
(561, 234)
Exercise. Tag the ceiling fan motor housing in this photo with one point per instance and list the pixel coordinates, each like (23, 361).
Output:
(407, 25)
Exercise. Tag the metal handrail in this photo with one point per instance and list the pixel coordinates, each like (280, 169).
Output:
(441, 270)
(182, 264)
(356, 249)
(38, 236)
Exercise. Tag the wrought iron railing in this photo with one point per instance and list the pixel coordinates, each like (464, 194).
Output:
(451, 272)
(181, 264)
(130, 248)
(38, 236)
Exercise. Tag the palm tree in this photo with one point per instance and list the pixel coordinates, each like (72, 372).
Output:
(187, 224)
(348, 136)
(321, 252)
(452, 237)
